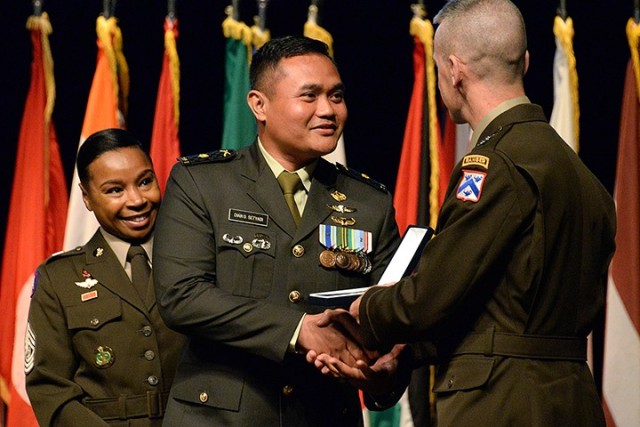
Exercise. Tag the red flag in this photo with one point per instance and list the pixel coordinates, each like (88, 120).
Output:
(106, 108)
(426, 159)
(621, 370)
(36, 219)
(165, 144)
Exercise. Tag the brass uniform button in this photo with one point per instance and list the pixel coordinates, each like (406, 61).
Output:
(287, 390)
(146, 331)
(94, 321)
(295, 296)
(451, 381)
(149, 355)
(153, 380)
(298, 251)
(204, 397)
(248, 247)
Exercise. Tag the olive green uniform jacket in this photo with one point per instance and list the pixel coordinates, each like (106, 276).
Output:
(97, 352)
(234, 274)
(512, 283)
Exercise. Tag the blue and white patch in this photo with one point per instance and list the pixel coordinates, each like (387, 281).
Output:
(470, 187)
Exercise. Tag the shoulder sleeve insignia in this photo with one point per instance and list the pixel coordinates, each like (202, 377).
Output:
(361, 177)
(475, 160)
(210, 157)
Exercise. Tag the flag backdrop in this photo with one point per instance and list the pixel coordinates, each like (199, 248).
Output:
(565, 116)
(165, 143)
(239, 125)
(106, 108)
(621, 370)
(35, 223)
(314, 31)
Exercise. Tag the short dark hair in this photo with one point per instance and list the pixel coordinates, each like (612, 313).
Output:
(271, 53)
(101, 142)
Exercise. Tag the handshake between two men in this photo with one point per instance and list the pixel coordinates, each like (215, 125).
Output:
(337, 346)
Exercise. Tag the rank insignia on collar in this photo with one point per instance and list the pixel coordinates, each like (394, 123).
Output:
(338, 196)
(98, 252)
(470, 187)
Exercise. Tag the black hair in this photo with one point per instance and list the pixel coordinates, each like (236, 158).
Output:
(101, 142)
(271, 53)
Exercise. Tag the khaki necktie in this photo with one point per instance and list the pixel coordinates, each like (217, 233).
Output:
(140, 270)
(289, 182)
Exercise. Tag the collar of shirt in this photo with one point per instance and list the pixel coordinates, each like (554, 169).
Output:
(488, 118)
(120, 249)
(305, 173)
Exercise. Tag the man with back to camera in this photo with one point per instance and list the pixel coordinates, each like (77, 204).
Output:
(515, 278)
(235, 263)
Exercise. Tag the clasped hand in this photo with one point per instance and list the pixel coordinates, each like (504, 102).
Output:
(334, 344)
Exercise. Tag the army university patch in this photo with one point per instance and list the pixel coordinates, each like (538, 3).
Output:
(29, 349)
(470, 187)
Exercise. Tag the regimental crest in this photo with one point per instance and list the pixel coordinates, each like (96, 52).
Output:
(470, 187)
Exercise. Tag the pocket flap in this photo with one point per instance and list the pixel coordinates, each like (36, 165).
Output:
(210, 387)
(93, 314)
(463, 374)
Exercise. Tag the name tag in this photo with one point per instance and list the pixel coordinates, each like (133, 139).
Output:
(246, 217)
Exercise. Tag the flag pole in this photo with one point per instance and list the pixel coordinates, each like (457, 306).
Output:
(562, 9)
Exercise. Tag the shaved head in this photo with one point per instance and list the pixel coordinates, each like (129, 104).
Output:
(488, 35)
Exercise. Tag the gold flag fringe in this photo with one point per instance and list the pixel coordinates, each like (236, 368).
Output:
(174, 66)
(633, 36)
(259, 37)
(42, 25)
(238, 31)
(316, 32)
(110, 38)
(563, 30)
(423, 30)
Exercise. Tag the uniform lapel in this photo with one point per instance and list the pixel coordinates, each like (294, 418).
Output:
(265, 191)
(316, 210)
(103, 266)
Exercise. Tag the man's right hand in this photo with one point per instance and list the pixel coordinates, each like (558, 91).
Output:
(333, 339)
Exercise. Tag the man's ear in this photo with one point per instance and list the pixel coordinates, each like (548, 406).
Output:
(456, 70)
(85, 198)
(257, 104)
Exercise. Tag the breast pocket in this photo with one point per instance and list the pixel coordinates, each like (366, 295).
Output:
(247, 260)
(93, 315)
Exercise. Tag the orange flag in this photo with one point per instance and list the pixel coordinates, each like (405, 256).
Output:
(36, 219)
(165, 143)
(106, 108)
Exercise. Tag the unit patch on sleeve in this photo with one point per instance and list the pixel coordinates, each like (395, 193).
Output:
(475, 160)
(470, 187)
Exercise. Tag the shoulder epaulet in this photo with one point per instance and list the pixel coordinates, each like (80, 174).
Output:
(361, 177)
(64, 254)
(212, 156)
